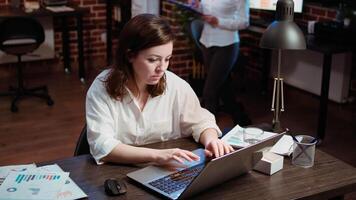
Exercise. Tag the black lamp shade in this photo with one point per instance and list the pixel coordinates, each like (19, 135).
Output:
(283, 33)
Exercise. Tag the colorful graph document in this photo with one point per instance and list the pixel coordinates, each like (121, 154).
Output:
(5, 170)
(70, 190)
(33, 184)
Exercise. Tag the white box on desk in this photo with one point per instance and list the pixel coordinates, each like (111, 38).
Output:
(267, 163)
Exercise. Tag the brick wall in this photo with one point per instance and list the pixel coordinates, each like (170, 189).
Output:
(182, 54)
(95, 49)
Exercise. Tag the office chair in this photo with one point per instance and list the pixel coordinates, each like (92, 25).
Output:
(194, 29)
(19, 36)
(197, 77)
(82, 146)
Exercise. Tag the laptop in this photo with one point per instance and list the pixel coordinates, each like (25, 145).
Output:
(199, 175)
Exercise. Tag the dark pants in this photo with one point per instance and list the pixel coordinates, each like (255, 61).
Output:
(218, 62)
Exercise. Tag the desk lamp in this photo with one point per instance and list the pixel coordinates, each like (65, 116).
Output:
(282, 34)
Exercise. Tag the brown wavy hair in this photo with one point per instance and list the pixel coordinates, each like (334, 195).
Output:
(141, 32)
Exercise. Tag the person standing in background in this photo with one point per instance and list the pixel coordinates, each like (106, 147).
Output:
(144, 6)
(220, 47)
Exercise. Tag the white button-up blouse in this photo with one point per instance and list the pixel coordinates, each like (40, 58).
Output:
(233, 15)
(174, 114)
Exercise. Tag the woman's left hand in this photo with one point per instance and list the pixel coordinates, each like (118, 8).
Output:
(217, 148)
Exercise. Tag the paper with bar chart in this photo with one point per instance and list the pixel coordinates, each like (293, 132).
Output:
(70, 190)
(35, 184)
(5, 170)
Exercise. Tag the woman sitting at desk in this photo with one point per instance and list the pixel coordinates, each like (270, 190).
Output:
(138, 101)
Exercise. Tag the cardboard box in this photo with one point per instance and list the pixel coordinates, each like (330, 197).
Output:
(267, 162)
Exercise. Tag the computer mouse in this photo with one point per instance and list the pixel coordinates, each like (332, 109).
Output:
(114, 187)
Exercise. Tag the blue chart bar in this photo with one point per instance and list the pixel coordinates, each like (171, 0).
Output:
(19, 178)
(26, 178)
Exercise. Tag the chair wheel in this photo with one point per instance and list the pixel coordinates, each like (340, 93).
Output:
(50, 102)
(14, 108)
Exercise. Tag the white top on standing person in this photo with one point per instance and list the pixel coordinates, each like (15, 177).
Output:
(223, 20)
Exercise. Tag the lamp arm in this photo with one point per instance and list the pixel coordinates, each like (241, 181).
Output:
(282, 95)
(274, 94)
(277, 111)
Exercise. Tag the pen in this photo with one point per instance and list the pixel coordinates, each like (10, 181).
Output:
(294, 138)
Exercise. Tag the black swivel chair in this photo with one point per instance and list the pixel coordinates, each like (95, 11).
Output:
(19, 36)
(195, 28)
(82, 143)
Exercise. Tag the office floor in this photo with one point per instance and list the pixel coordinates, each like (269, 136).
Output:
(39, 133)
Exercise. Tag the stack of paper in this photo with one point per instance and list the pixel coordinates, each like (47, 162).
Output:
(235, 137)
(284, 146)
(70, 190)
(28, 182)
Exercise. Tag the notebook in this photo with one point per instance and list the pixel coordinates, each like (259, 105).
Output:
(187, 7)
(199, 175)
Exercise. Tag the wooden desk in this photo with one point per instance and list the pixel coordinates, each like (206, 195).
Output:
(328, 178)
(8, 11)
(327, 49)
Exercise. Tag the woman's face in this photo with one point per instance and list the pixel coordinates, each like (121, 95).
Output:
(150, 64)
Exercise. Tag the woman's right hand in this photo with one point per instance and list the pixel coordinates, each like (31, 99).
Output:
(174, 157)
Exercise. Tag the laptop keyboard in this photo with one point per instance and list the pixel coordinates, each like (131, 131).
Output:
(177, 181)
